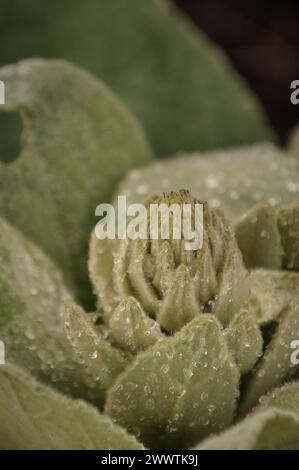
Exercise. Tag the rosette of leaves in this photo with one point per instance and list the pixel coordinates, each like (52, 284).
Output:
(183, 345)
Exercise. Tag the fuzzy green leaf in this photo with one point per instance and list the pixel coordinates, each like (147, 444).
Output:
(234, 285)
(244, 340)
(131, 328)
(270, 293)
(234, 180)
(33, 416)
(285, 398)
(31, 293)
(294, 142)
(266, 430)
(77, 142)
(180, 390)
(100, 264)
(259, 238)
(180, 304)
(152, 57)
(172, 284)
(276, 364)
(101, 360)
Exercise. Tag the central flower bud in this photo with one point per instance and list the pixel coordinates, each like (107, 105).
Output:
(176, 216)
(173, 283)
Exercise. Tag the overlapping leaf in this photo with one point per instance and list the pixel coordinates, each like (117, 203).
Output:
(276, 364)
(77, 142)
(33, 416)
(244, 340)
(234, 180)
(180, 390)
(285, 398)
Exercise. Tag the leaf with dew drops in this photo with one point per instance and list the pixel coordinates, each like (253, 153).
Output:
(32, 290)
(234, 179)
(265, 430)
(101, 360)
(270, 293)
(33, 416)
(164, 68)
(173, 284)
(180, 304)
(179, 390)
(234, 285)
(244, 340)
(285, 398)
(294, 142)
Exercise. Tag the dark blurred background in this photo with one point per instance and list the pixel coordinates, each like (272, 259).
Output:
(261, 39)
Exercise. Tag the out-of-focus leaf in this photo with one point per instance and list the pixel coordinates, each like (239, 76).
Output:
(276, 364)
(180, 86)
(270, 293)
(180, 390)
(266, 430)
(285, 398)
(244, 340)
(234, 180)
(31, 293)
(294, 142)
(77, 142)
(180, 304)
(33, 416)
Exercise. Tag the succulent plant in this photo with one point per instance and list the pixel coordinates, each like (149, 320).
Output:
(182, 348)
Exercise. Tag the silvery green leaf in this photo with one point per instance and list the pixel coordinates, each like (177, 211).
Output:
(266, 430)
(77, 141)
(289, 231)
(131, 328)
(244, 340)
(32, 291)
(234, 179)
(173, 284)
(180, 390)
(165, 268)
(259, 238)
(270, 293)
(294, 142)
(137, 276)
(234, 285)
(153, 58)
(276, 364)
(94, 352)
(33, 416)
(100, 264)
(285, 398)
(205, 281)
